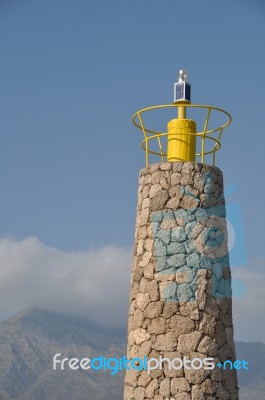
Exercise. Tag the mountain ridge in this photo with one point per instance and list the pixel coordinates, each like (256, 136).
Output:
(30, 339)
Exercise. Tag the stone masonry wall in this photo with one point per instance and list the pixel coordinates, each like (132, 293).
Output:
(180, 299)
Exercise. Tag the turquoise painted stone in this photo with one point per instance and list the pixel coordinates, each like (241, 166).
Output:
(177, 260)
(188, 272)
(164, 235)
(170, 292)
(206, 262)
(176, 248)
(184, 292)
(193, 260)
(178, 235)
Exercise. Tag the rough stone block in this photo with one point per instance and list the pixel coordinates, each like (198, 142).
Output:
(189, 342)
(181, 325)
(179, 385)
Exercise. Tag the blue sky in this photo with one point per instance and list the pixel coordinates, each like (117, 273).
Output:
(72, 73)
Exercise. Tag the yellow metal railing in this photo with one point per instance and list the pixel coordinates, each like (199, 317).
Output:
(210, 138)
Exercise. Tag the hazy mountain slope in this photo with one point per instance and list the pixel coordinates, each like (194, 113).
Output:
(252, 381)
(28, 343)
(29, 340)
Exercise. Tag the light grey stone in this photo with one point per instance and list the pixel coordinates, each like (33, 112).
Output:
(131, 377)
(165, 387)
(146, 203)
(190, 309)
(153, 309)
(153, 168)
(142, 300)
(152, 288)
(186, 179)
(165, 166)
(139, 393)
(164, 182)
(158, 397)
(187, 167)
(197, 393)
(140, 335)
(157, 325)
(175, 178)
(149, 271)
(189, 342)
(144, 379)
(208, 346)
(154, 189)
(196, 377)
(207, 325)
(179, 385)
(208, 386)
(137, 320)
(166, 342)
(182, 396)
(177, 166)
(151, 388)
(156, 177)
(170, 308)
(173, 203)
(159, 200)
(181, 325)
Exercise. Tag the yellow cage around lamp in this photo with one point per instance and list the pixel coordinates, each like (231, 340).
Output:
(183, 142)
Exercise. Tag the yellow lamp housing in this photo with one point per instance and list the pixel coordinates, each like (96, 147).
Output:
(181, 140)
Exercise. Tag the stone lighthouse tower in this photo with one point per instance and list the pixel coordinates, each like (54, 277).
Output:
(180, 332)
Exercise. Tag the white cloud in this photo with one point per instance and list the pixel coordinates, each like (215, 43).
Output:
(93, 282)
(96, 283)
